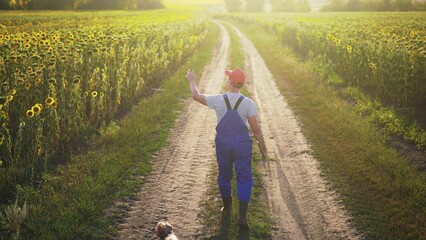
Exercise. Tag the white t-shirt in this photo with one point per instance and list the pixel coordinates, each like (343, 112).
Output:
(246, 109)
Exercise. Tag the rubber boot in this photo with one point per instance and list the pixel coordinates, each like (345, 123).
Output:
(242, 220)
(227, 205)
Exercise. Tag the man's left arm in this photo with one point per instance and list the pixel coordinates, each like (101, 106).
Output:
(257, 132)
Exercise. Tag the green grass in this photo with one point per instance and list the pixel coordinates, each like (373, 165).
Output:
(260, 224)
(383, 191)
(70, 203)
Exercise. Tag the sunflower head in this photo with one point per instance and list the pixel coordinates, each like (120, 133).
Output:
(51, 81)
(12, 91)
(49, 101)
(36, 109)
(30, 113)
(76, 79)
(94, 94)
(9, 98)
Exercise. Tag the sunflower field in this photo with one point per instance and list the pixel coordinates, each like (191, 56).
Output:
(65, 75)
(382, 53)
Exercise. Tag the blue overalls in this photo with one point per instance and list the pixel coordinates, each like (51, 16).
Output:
(234, 146)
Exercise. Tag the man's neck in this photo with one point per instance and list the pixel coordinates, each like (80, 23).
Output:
(233, 89)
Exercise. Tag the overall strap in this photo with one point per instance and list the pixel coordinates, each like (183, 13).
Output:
(228, 105)
(238, 102)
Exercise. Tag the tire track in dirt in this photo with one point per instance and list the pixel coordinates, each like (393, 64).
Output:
(178, 182)
(300, 203)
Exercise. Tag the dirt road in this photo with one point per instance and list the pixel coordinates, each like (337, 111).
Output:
(299, 202)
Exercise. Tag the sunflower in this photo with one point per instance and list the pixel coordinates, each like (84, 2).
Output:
(94, 94)
(54, 104)
(9, 98)
(20, 81)
(12, 91)
(27, 45)
(349, 48)
(372, 66)
(49, 101)
(30, 113)
(86, 94)
(52, 80)
(76, 80)
(36, 108)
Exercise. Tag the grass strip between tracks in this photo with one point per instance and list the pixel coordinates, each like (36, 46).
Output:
(72, 202)
(384, 192)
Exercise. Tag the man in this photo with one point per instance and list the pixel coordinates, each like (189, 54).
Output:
(233, 142)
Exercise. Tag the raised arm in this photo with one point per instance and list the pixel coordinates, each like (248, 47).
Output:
(201, 98)
(257, 132)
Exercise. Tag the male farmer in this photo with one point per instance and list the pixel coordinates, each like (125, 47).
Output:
(233, 142)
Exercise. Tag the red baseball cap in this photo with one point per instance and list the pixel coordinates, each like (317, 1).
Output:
(236, 75)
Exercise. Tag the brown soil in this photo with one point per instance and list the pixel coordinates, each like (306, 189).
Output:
(300, 203)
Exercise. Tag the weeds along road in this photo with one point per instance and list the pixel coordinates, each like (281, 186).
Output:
(300, 204)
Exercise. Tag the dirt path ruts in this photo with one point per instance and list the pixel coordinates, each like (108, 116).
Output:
(300, 204)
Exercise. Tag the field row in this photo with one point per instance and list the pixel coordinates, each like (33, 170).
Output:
(62, 81)
(383, 54)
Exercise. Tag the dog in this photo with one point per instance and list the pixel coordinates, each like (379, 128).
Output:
(164, 231)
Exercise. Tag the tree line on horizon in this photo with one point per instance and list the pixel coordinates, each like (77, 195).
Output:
(332, 5)
(277, 5)
(80, 4)
(374, 5)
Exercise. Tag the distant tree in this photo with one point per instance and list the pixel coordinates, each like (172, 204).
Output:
(277, 5)
(419, 6)
(18, 4)
(51, 4)
(303, 6)
(233, 5)
(4, 4)
(404, 5)
(370, 5)
(149, 4)
(290, 5)
(334, 5)
(255, 5)
(354, 5)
